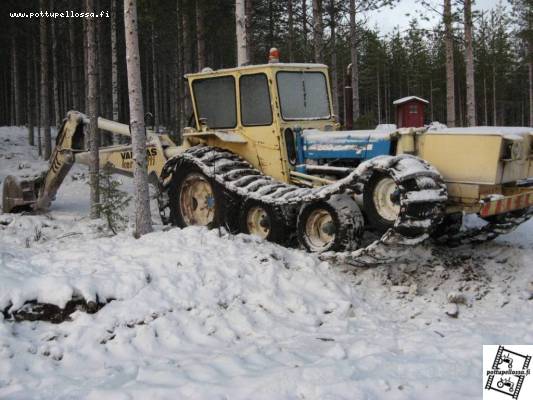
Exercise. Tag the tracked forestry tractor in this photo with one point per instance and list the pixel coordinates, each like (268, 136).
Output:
(265, 156)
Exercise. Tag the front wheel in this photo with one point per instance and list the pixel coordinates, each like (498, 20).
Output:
(333, 225)
(195, 200)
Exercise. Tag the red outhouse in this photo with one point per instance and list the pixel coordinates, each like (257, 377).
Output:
(410, 112)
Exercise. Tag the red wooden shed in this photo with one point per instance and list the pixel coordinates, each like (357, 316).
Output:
(410, 112)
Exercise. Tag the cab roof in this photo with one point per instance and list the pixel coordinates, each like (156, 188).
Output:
(278, 66)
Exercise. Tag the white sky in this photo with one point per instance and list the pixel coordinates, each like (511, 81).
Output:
(386, 19)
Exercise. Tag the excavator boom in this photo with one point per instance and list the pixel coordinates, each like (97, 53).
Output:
(38, 193)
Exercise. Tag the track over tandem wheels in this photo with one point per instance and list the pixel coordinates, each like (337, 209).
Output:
(214, 187)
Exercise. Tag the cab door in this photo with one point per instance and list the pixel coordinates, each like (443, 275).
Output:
(257, 122)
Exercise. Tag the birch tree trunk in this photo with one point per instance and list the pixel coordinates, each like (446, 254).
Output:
(317, 31)
(92, 109)
(290, 44)
(450, 75)
(45, 110)
(240, 23)
(114, 62)
(143, 221)
(334, 80)
(354, 61)
(469, 59)
(200, 35)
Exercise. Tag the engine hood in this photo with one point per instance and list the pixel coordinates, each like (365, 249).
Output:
(360, 144)
(342, 137)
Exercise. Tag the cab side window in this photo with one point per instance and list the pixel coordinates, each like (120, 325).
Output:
(255, 100)
(215, 101)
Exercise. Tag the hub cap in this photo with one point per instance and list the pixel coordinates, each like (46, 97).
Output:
(319, 229)
(197, 201)
(384, 199)
(258, 222)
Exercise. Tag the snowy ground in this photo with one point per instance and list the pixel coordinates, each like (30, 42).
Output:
(199, 316)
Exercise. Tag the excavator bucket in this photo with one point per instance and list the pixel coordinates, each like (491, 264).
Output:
(18, 195)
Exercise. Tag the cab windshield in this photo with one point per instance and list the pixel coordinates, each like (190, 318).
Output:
(303, 95)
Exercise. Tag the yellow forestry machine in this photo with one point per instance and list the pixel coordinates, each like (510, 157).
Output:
(266, 157)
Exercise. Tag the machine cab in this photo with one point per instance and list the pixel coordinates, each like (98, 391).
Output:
(253, 111)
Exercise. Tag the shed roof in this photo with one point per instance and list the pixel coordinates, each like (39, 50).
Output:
(409, 98)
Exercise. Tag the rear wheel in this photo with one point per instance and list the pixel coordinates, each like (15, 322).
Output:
(404, 193)
(333, 225)
(265, 221)
(381, 202)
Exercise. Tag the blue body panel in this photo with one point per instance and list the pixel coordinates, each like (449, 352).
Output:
(344, 145)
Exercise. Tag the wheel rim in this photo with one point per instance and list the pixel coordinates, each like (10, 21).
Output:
(318, 229)
(197, 201)
(383, 195)
(258, 222)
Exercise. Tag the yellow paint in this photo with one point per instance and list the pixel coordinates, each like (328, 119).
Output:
(464, 158)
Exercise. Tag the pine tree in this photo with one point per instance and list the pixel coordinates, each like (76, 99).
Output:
(114, 201)
(450, 73)
(469, 57)
(45, 110)
(92, 99)
(523, 13)
(318, 31)
(240, 22)
(114, 62)
(143, 222)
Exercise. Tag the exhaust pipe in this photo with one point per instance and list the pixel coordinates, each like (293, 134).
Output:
(348, 100)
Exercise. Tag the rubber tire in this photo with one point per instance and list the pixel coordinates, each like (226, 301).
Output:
(174, 193)
(372, 218)
(281, 228)
(348, 220)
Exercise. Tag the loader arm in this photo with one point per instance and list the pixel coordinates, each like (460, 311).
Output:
(37, 194)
